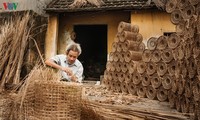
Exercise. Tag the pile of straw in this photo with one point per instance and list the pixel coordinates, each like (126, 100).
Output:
(14, 38)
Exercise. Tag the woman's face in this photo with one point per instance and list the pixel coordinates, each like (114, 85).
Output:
(72, 56)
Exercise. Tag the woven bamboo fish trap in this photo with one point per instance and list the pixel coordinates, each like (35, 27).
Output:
(141, 91)
(124, 26)
(121, 76)
(128, 77)
(152, 43)
(132, 88)
(136, 78)
(181, 4)
(171, 5)
(176, 16)
(156, 57)
(151, 92)
(167, 81)
(145, 78)
(133, 55)
(127, 35)
(188, 12)
(119, 47)
(56, 100)
(178, 53)
(142, 47)
(124, 67)
(130, 45)
(117, 66)
(151, 68)
(117, 86)
(108, 65)
(155, 80)
(116, 56)
(162, 94)
(181, 28)
(141, 67)
(161, 68)
(132, 67)
(124, 87)
(171, 67)
(166, 55)
(114, 46)
(116, 39)
(146, 55)
(162, 42)
(112, 66)
(173, 41)
(115, 76)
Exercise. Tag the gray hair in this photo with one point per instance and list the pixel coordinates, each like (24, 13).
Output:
(74, 47)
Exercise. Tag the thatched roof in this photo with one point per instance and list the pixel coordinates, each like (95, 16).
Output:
(66, 5)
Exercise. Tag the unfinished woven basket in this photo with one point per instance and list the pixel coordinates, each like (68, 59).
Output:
(55, 100)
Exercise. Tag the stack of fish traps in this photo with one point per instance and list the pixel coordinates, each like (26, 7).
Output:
(168, 69)
(53, 100)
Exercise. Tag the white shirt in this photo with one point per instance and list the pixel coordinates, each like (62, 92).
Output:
(77, 67)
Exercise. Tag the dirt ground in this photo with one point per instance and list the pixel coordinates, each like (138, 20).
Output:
(139, 108)
(112, 106)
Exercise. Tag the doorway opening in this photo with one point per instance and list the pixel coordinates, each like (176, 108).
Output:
(93, 41)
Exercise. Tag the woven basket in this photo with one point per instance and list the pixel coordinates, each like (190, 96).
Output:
(54, 100)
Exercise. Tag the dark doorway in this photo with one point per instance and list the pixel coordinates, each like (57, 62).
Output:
(93, 40)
